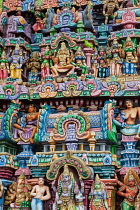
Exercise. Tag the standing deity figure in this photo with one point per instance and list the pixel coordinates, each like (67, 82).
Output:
(95, 64)
(126, 120)
(98, 195)
(116, 60)
(4, 66)
(130, 56)
(61, 60)
(18, 193)
(67, 188)
(26, 126)
(101, 58)
(129, 190)
(17, 60)
(47, 63)
(39, 22)
(34, 66)
(80, 61)
(40, 193)
(109, 9)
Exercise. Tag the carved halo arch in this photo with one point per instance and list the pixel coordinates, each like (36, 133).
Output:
(83, 171)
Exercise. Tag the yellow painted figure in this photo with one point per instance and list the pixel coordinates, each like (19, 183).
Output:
(17, 60)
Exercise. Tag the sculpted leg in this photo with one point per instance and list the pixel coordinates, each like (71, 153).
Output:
(34, 204)
(39, 205)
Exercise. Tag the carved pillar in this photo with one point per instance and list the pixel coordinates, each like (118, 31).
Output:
(52, 143)
(92, 141)
(87, 188)
(88, 51)
(111, 192)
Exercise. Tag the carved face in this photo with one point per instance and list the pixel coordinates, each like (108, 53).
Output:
(97, 186)
(41, 181)
(131, 183)
(128, 104)
(65, 178)
(63, 46)
(31, 109)
(16, 52)
(21, 181)
(65, 19)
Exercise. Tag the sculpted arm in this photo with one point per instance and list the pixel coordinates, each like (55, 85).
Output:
(33, 192)
(1, 191)
(121, 193)
(138, 110)
(47, 196)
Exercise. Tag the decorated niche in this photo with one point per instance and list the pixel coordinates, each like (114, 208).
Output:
(71, 195)
(62, 49)
(71, 128)
(70, 160)
(22, 126)
(18, 26)
(66, 19)
(129, 19)
(48, 88)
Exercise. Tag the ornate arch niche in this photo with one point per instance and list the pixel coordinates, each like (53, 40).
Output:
(81, 121)
(63, 38)
(83, 171)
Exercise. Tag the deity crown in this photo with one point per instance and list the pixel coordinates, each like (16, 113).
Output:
(22, 176)
(17, 47)
(130, 177)
(66, 170)
(97, 179)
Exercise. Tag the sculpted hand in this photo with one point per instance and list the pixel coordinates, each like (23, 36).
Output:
(24, 129)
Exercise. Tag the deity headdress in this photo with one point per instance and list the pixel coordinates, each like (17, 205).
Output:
(66, 171)
(22, 176)
(97, 179)
(115, 41)
(131, 175)
(101, 49)
(98, 182)
(17, 47)
(128, 40)
(4, 54)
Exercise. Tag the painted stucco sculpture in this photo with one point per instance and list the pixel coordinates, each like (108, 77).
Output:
(69, 104)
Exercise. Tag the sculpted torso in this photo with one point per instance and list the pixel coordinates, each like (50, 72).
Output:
(40, 190)
(131, 115)
(66, 189)
(31, 116)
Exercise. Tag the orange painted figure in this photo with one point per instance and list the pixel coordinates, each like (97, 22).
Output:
(129, 190)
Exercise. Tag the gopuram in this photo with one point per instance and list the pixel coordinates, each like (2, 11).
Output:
(69, 104)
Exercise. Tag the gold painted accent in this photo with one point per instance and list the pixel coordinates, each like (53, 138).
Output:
(69, 156)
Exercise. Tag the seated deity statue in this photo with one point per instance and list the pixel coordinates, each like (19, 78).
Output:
(62, 60)
(26, 127)
(66, 191)
(126, 120)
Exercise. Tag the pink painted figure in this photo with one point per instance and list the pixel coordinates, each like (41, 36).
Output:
(128, 19)
(4, 66)
(39, 22)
